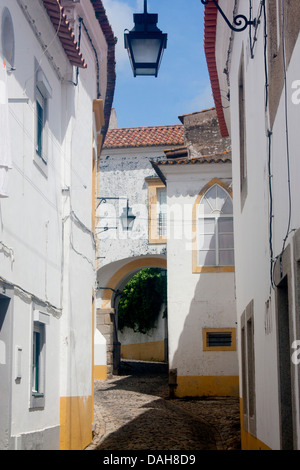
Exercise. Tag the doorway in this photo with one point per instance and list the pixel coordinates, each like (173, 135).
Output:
(5, 367)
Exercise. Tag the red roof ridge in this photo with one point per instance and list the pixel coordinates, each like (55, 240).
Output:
(145, 127)
(210, 28)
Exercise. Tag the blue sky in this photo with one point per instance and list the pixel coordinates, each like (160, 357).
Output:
(182, 85)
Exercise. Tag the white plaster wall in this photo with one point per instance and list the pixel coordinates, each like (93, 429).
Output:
(128, 336)
(251, 242)
(47, 248)
(195, 300)
(30, 227)
(122, 174)
(252, 222)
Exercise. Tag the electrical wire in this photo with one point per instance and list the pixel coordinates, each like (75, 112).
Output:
(286, 130)
(47, 47)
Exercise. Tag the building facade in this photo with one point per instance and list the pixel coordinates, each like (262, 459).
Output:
(258, 73)
(200, 261)
(55, 109)
(128, 182)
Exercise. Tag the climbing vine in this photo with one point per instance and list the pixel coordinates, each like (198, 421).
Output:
(142, 300)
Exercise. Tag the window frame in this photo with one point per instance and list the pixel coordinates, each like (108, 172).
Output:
(207, 331)
(197, 267)
(37, 391)
(248, 369)
(154, 186)
(40, 125)
(43, 94)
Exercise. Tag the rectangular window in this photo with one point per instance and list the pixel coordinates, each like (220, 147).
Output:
(40, 123)
(157, 210)
(162, 212)
(43, 93)
(37, 382)
(216, 242)
(219, 339)
(41, 319)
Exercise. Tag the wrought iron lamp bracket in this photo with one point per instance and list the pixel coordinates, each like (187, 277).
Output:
(240, 22)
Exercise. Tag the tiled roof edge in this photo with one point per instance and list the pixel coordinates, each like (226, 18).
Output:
(64, 32)
(111, 61)
(210, 27)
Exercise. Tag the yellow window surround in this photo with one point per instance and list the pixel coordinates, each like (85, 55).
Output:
(207, 331)
(154, 184)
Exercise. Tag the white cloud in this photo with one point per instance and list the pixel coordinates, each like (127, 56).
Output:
(203, 100)
(120, 17)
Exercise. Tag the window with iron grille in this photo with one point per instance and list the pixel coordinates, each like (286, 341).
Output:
(219, 339)
(162, 212)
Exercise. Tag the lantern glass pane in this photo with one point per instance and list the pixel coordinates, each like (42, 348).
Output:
(145, 50)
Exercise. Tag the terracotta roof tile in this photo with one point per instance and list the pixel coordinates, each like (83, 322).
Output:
(210, 28)
(224, 157)
(145, 136)
(66, 36)
(64, 32)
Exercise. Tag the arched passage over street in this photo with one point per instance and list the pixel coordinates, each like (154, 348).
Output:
(111, 279)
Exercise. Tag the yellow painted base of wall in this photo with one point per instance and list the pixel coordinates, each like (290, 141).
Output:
(214, 386)
(100, 372)
(249, 442)
(76, 418)
(153, 351)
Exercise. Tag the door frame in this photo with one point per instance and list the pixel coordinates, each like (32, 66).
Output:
(7, 293)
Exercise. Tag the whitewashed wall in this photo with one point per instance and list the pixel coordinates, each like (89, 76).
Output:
(122, 174)
(47, 249)
(195, 300)
(252, 250)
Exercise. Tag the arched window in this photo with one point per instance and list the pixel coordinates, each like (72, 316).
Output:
(7, 37)
(215, 228)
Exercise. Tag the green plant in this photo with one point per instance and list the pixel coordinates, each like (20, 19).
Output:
(142, 299)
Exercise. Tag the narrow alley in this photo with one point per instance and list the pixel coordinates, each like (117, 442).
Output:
(133, 411)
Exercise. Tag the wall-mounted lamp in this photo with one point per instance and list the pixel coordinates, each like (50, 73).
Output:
(145, 44)
(127, 217)
(240, 22)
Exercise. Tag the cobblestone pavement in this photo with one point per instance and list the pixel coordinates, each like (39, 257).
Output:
(133, 411)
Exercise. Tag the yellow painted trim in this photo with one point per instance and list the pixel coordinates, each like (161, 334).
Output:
(98, 110)
(197, 386)
(153, 185)
(249, 442)
(100, 372)
(196, 267)
(141, 263)
(150, 351)
(219, 330)
(76, 415)
(211, 269)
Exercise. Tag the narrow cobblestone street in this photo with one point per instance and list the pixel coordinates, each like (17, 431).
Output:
(133, 411)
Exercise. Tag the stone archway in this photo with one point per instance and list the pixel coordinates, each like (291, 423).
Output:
(111, 280)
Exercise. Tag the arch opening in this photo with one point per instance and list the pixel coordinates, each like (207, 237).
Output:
(114, 280)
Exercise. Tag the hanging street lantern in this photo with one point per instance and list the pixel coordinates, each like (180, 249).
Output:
(127, 218)
(145, 44)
